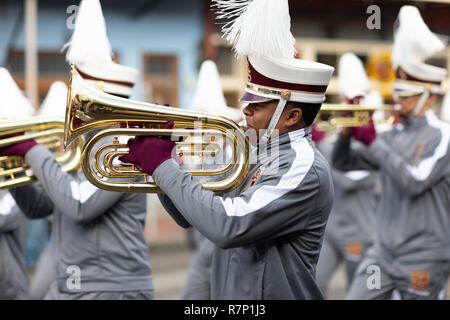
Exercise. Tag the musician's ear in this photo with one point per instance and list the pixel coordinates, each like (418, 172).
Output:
(293, 115)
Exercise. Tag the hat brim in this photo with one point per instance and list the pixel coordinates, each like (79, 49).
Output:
(248, 97)
(405, 93)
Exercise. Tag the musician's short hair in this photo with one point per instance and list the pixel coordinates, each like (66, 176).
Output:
(309, 110)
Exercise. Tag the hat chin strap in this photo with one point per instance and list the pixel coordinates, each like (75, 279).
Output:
(275, 118)
(420, 104)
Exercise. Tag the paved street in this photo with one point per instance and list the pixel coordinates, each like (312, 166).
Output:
(169, 267)
(171, 261)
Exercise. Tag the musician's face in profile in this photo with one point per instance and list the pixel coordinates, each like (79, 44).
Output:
(409, 103)
(258, 116)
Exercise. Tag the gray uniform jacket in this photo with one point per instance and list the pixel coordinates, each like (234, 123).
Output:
(352, 218)
(268, 232)
(13, 273)
(95, 232)
(414, 211)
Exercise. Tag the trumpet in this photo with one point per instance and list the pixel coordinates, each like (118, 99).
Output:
(333, 116)
(14, 171)
(105, 119)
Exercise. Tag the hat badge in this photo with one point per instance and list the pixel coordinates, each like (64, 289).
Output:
(100, 85)
(285, 94)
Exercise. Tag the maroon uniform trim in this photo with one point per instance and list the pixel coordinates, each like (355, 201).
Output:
(403, 75)
(88, 77)
(257, 78)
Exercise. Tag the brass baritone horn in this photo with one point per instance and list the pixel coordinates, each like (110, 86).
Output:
(333, 116)
(107, 118)
(14, 171)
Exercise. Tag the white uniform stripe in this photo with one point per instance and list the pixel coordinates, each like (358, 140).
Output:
(6, 204)
(422, 170)
(357, 175)
(304, 158)
(82, 191)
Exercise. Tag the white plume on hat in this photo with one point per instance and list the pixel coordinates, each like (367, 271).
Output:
(14, 102)
(445, 109)
(373, 99)
(54, 103)
(260, 27)
(352, 77)
(260, 30)
(89, 40)
(209, 94)
(413, 40)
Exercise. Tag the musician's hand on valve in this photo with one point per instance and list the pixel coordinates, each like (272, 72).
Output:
(18, 149)
(150, 152)
(366, 134)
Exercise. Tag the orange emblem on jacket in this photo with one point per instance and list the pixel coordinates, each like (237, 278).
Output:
(254, 178)
(354, 248)
(420, 280)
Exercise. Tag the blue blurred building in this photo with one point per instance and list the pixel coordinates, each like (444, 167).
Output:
(160, 38)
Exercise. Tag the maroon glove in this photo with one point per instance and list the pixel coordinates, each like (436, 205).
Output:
(18, 149)
(317, 135)
(149, 152)
(365, 134)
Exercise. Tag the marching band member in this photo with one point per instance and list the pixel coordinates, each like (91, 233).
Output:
(13, 224)
(410, 257)
(350, 228)
(268, 232)
(97, 243)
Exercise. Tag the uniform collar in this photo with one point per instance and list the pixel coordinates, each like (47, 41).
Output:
(299, 134)
(287, 138)
(416, 122)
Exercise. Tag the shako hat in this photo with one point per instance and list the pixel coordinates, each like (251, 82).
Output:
(90, 51)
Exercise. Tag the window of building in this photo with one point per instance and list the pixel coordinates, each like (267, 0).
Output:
(161, 79)
(52, 66)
